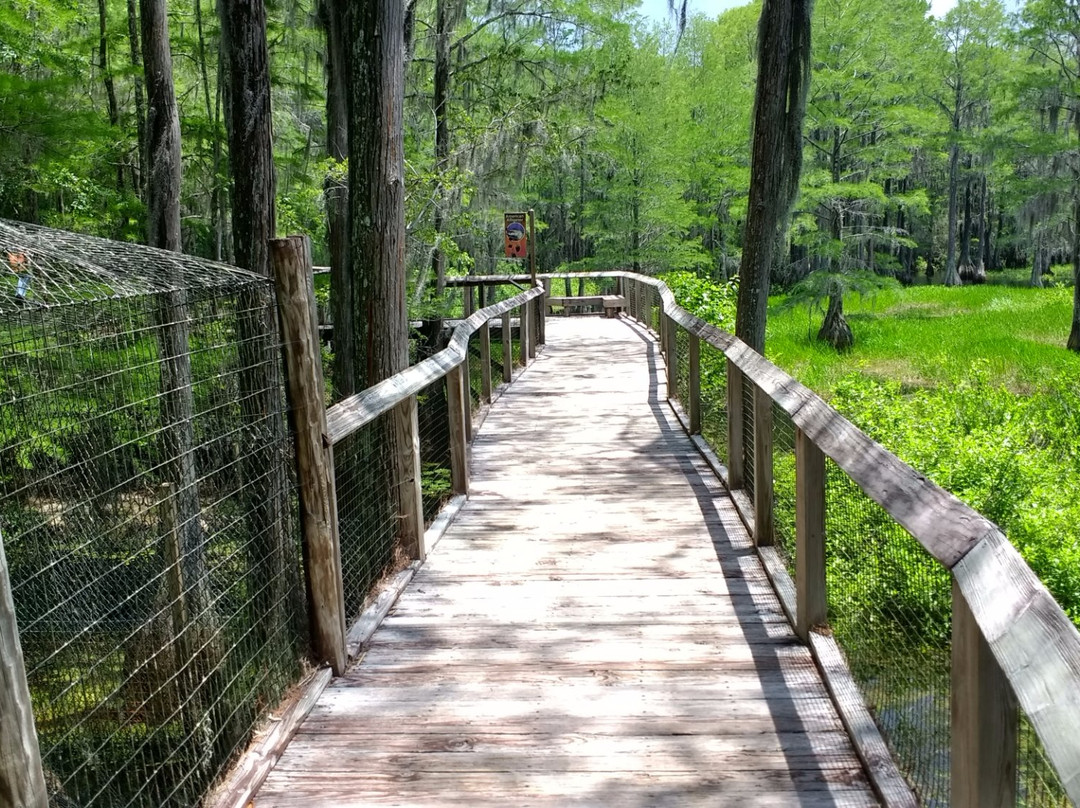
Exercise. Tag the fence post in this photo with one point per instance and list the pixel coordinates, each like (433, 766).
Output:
(670, 327)
(459, 451)
(407, 440)
(541, 317)
(314, 460)
(984, 718)
(508, 348)
(467, 300)
(526, 332)
(536, 319)
(695, 384)
(466, 381)
(734, 426)
(810, 604)
(22, 781)
(763, 475)
(485, 362)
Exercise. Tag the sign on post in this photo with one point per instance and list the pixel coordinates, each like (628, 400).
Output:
(514, 238)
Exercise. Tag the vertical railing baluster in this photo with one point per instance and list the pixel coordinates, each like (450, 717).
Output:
(735, 426)
(811, 608)
(508, 348)
(694, 386)
(456, 404)
(669, 327)
(485, 362)
(984, 718)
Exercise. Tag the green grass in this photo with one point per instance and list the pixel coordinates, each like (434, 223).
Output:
(927, 336)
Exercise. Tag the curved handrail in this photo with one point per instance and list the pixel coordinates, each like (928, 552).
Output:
(1033, 641)
(354, 412)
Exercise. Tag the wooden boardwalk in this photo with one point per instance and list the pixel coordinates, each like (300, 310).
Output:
(594, 628)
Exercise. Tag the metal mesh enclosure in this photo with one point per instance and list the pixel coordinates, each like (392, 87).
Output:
(435, 482)
(714, 399)
(367, 519)
(783, 445)
(890, 608)
(748, 436)
(147, 512)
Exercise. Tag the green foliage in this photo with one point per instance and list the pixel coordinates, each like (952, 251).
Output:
(711, 301)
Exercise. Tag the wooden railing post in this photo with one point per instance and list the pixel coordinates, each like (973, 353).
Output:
(670, 327)
(763, 474)
(466, 381)
(694, 386)
(984, 718)
(811, 608)
(459, 452)
(485, 362)
(541, 318)
(508, 348)
(525, 327)
(22, 781)
(318, 511)
(537, 325)
(467, 301)
(411, 497)
(734, 425)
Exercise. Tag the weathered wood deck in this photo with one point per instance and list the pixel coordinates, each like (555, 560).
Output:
(594, 629)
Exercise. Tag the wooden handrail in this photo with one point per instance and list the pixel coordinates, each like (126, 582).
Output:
(1031, 639)
(354, 412)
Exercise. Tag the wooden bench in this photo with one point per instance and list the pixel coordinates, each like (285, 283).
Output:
(609, 304)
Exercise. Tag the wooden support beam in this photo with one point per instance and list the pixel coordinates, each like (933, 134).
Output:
(410, 495)
(508, 348)
(667, 325)
(541, 308)
(22, 781)
(290, 258)
(525, 328)
(810, 604)
(466, 381)
(459, 449)
(763, 474)
(485, 363)
(536, 320)
(694, 404)
(467, 305)
(984, 718)
(734, 425)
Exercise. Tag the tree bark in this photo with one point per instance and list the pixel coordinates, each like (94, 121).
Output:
(377, 243)
(776, 154)
(212, 114)
(337, 197)
(835, 329)
(140, 171)
(444, 23)
(1074, 333)
(110, 85)
(952, 277)
(271, 563)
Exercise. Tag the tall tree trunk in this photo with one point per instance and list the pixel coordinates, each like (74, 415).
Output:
(964, 268)
(141, 171)
(337, 197)
(377, 226)
(1074, 333)
(952, 276)
(272, 564)
(110, 86)
(776, 158)
(835, 329)
(444, 23)
(177, 396)
(213, 114)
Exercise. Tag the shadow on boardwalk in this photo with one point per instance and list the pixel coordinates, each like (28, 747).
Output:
(594, 629)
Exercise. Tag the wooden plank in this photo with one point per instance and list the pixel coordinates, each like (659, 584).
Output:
(1034, 643)
(407, 473)
(22, 781)
(593, 628)
(812, 608)
(485, 363)
(255, 764)
(694, 404)
(456, 404)
(984, 720)
(508, 348)
(734, 426)
(318, 512)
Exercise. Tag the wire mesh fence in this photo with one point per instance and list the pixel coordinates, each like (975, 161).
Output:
(147, 511)
(783, 448)
(368, 513)
(714, 422)
(435, 480)
(890, 609)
